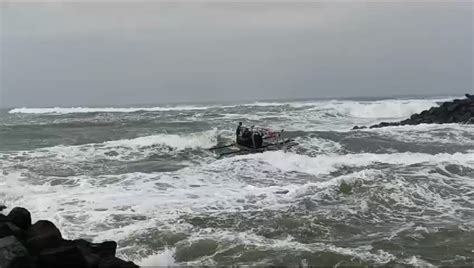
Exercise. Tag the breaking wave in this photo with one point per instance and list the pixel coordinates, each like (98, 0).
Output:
(378, 109)
(73, 110)
(124, 149)
(324, 164)
(192, 141)
(391, 108)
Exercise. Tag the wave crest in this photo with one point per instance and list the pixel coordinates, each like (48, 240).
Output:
(74, 110)
(377, 109)
(325, 164)
(194, 140)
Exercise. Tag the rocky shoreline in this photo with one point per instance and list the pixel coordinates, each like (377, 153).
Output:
(456, 111)
(23, 244)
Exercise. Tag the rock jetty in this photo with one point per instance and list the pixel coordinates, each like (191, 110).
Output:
(456, 111)
(23, 244)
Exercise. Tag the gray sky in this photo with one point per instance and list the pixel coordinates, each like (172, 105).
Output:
(64, 54)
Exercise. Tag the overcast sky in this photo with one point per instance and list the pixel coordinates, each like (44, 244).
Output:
(71, 54)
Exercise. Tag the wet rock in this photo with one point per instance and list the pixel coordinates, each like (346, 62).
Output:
(8, 229)
(406, 122)
(4, 218)
(434, 111)
(345, 188)
(10, 248)
(113, 262)
(20, 217)
(385, 124)
(24, 262)
(456, 111)
(42, 235)
(93, 253)
(452, 107)
(41, 245)
(65, 255)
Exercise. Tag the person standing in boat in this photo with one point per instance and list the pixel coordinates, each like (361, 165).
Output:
(239, 130)
(242, 135)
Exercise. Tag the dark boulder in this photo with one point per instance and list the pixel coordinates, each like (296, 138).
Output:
(424, 113)
(467, 117)
(450, 119)
(434, 111)
(93, 253)
(113, 262)
(7, 229)
(65, 255)
(21, 217)
(385, 124)
(41, 245)
(414, 116)
(10, 248)
(24, 262)
(42, 235)
(452, 107)
(406, 122)
(2, 207)
(104, 249)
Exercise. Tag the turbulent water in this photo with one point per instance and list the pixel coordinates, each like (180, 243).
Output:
(143, 177)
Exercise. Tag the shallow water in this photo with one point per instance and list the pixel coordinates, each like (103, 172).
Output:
(142, 176)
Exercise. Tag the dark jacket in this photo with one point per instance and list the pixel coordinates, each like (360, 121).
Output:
(239, 129)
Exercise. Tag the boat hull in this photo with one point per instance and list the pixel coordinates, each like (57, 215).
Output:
(240, 149)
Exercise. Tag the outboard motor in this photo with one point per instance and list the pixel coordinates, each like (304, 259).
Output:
(258, 139)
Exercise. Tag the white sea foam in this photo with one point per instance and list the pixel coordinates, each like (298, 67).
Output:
(125, 149)
(289, 244)
(390, 108)
(87, 206)
(428, 133)
(71, 110)
(164, 258)
(195, 140)
(417, 262)
(379, 109)
(319, 145)
(324, 164)
(266, 104)
(336, 115)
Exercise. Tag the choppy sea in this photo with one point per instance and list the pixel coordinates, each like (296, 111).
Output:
(143, 176)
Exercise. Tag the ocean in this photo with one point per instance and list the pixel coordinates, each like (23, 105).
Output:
(144, 177)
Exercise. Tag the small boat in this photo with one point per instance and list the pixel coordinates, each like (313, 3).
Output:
(236, 148)
(256, 141)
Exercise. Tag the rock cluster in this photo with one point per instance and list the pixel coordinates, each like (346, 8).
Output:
(23, 244)
(456, 111)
